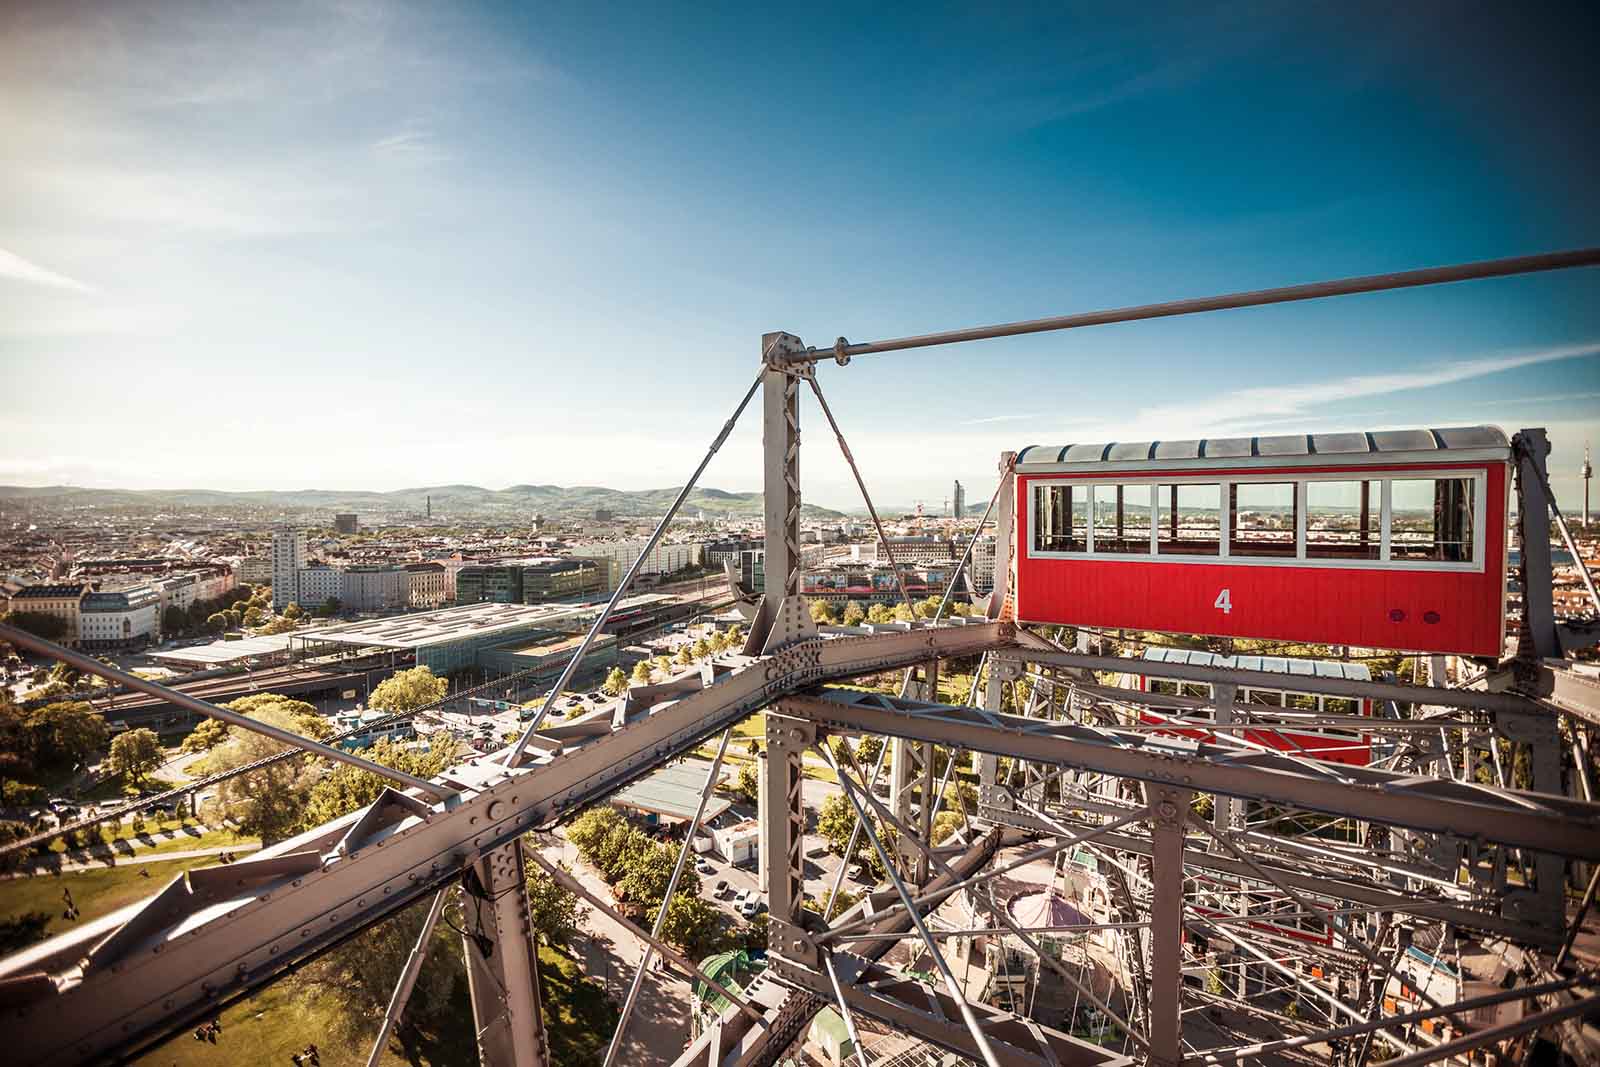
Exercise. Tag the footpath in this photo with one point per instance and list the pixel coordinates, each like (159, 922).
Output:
(125, 853)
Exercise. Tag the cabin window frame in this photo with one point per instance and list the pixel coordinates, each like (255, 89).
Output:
(1385, 477)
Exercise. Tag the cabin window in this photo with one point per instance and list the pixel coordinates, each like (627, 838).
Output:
(1343, 520)
(1431, 519)
(1188, 520)
(1263, 697)
(1164, 687)
(1122, 519)
(1060, 518)
(1261, 519)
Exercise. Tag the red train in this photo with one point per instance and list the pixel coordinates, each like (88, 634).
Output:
(1393, 539)
(1330, 744)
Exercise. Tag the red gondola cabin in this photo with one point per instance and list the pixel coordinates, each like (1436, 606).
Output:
(1392, 539)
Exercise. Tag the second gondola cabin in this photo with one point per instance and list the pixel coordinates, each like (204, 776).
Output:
(1393, 539)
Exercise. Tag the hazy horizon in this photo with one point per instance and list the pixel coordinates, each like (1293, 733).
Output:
(387, 244)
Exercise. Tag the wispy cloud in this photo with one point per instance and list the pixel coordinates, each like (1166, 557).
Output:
(15, 267)
(413, 144)
(1261, 401)
(1007, 418)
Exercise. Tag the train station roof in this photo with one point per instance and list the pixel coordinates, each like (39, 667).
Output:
(217, 653)
(673, 792)
(424, 628)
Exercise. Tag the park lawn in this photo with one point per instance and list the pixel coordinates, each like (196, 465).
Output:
(94, 892)
(280, 1020)
(579, 1016)
(268, 1028)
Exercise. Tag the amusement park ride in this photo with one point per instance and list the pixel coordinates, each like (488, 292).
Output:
(1381, 540)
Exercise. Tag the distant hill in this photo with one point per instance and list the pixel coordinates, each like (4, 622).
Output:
(448, 500)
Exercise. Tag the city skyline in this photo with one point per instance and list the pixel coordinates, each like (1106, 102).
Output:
(373, 246)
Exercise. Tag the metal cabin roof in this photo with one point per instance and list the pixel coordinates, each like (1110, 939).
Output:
(1290, 446)
(1306, 668)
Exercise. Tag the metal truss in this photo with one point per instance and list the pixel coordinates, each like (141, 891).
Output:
(1425, 850)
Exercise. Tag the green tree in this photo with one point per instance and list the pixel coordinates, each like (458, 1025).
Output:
(217, 622)
(944, 824)
(880, 613)
(293, 611)
(254, 616)
(206, 736)
(621, 847)
(663, 664)
(280, 625)
(835, 819)
(39, 623)
(692, 923)
(66, 734)
(853, 614)
(16, 742)
(330, 607)
(134, 754)
(747, 783)
(641, 672)
(304, 719)
(846, 901)
(588, 830)
(701, 649)
(174, 621)
(235, 619)
(647, 872)
(408, 690)
(867, 748)
(684, 658)
(616, 682)
(269, 802)
(552, 910)
(821, 611)
(344, 788)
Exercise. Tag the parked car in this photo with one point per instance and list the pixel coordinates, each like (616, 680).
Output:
(704, 867)
(750, 905)
(721, 889)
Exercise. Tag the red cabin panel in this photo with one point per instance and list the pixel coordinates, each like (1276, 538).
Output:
(1455, 608)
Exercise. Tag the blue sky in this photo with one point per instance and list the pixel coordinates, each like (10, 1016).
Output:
(375, 245)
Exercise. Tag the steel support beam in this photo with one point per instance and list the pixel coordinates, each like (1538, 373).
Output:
(1476, 699)
(1170, 808)
(503, 962)
(1544, 823)
(173, 958)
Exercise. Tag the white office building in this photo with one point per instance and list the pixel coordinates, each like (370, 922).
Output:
(316, 585)
(663, 559)
(116, 620)
(288, 559)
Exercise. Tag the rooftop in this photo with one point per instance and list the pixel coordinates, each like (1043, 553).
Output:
(218, 653)
(51, 592)
(426, 628)
(1308, 668)
(673, 791)
(1461, 438)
